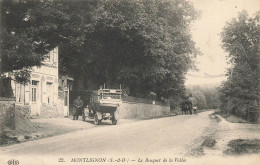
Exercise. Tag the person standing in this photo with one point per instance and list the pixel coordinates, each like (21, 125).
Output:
(183, 107)
(78, 107)
(189, 104)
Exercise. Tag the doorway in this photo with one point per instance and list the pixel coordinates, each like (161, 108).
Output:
(35, 104)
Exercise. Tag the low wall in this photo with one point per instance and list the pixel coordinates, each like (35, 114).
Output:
(25, 110)
(50, 111)
(141, 100)
(128, 110)
(47, 110)
(7, 113)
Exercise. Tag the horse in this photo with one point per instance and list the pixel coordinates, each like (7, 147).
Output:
(186, 107)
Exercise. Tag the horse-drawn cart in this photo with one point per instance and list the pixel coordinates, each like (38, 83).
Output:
(103, 105)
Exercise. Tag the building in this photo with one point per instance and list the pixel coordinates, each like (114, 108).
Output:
(65, 87)
(43, 96)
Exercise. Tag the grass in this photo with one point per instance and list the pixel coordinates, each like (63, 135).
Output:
(209, 142)
(230, 118)
(4, 139)
(199, 151)
(243, 146)
(234, 119)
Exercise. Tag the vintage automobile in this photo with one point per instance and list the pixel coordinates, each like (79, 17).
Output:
(103, 105)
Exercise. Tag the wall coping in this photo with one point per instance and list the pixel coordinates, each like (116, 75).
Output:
(145, 103)
(7, 98)
(142, 100)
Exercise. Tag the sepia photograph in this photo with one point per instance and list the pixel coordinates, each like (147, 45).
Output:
(129, 82)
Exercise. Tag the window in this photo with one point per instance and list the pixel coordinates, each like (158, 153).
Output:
(35, 82)
(34, 90)
(34, 93)
(49, 92)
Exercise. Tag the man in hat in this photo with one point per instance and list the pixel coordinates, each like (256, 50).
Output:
(78, 107)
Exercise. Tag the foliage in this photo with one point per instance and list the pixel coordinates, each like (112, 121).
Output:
(240, 39)
(212, 97)
(22, 76)
(204, 97)
(24, 39)
(144, 45)
(36, 27)
(199, 99)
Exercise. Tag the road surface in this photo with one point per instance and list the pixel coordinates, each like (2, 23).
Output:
(171, 135)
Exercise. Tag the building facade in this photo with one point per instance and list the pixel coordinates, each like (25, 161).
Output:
(41, 95)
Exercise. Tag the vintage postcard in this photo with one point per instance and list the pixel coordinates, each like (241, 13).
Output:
(129, 82)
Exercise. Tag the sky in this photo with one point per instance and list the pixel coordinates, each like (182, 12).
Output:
(206, 33)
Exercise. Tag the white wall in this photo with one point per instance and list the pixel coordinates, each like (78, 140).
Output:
(46, 74)
(129, 110)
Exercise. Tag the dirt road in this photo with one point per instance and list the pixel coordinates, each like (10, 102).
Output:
(178, 138)
(164, 135)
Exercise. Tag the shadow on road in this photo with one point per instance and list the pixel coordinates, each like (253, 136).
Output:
(101, 123)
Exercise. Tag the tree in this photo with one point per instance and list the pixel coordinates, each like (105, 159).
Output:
(240, 39)
(36, 27)
(144, 45)
(29, 30)
(212, 97)
(199, 99)
(205, 97)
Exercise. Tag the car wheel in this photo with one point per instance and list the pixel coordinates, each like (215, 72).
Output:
(96, 121)
(114, 121)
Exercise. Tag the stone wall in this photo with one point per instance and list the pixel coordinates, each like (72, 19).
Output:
(25, 110)
(128, 110)
(47, 110)
(50, 111)
(7, 113)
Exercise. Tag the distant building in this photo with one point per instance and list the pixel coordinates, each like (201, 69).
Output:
(44, 95)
